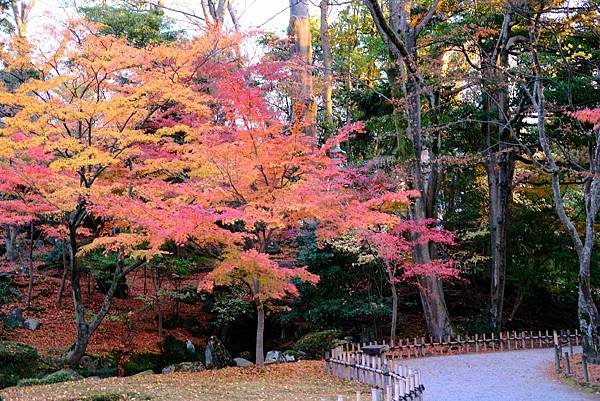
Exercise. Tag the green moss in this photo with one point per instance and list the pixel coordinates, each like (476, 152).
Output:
(142, 362)
(317, 344)
(114, 397)
(61, 376)
(17, 361)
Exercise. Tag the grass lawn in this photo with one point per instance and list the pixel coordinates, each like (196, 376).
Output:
(301, 381)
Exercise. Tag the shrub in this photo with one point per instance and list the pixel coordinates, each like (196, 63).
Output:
(142, 362)
(17, 353)
(61, 376)
(292, 352)
(315, 345)
(16, 361)
(172, 350)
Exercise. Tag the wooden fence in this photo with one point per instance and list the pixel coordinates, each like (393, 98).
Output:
(504, 341)
(388, 379)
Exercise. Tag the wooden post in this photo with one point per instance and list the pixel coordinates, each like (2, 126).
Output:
(567, 363)
(376, 394)
(586, 373)
(557, 358)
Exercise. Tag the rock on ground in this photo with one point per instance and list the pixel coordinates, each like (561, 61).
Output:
(242, 363)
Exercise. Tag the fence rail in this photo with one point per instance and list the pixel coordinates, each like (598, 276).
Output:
(388, 378)
(504, 341)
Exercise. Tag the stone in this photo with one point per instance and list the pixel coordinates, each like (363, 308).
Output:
(216, 355)
(184, 367)
(31, 324)
(190, 367)
(302, 355)
(242, 363)
(16, 317)
(168, 370)
(290, 358)
(190, 348)
(145, 373)
(275, 356)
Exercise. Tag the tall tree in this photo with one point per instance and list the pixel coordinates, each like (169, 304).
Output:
(586, 167)
(327, 68)
(303, 103)
(401, 33)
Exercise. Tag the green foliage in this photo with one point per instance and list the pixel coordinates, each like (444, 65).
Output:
(317, 344)
(8, 292)
(174, 351)
(61, 376)
(230, 306)
(114, 397)
(140, 27)
(351, 298)
(16, 353)
(16, 361)
(143, 362)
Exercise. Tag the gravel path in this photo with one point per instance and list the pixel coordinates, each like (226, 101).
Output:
(500, 376)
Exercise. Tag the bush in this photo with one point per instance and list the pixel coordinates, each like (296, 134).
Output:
(291, 352)
(64, 375)
(174, 351)
(142, 362)
(17, 353)
(16, 361)
(315, 345)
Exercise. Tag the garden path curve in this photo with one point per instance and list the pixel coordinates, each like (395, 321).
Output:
(499, 376)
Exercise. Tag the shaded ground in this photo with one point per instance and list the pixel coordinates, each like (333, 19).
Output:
(302, 381)
(501, 376)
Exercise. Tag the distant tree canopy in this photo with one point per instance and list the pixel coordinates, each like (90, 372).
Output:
(140, 27)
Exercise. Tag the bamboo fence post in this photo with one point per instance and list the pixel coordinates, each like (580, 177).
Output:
(586, 373)
(567, 363)
(557, 358)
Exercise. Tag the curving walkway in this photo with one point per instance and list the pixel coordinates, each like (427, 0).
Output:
(499, 376)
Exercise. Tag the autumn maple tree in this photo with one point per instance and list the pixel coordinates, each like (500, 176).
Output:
(86, 148)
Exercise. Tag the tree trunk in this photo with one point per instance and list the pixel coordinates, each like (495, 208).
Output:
(327, 70)
(31, 267)
(11, 242)
(589, 320)
(394, 326)
(400, 36)
(260, 333)
(85, 330)
(500, 165)
(63, 280)
(303, 105)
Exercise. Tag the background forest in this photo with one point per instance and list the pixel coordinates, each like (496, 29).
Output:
(388, 169)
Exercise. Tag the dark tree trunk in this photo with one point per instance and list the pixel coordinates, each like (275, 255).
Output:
(260, 333)
(63, 280)
(85, 330)
(394, 323)
(31, 267)
(400, 36)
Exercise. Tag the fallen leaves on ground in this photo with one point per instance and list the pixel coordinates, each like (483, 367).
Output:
(301, 381)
